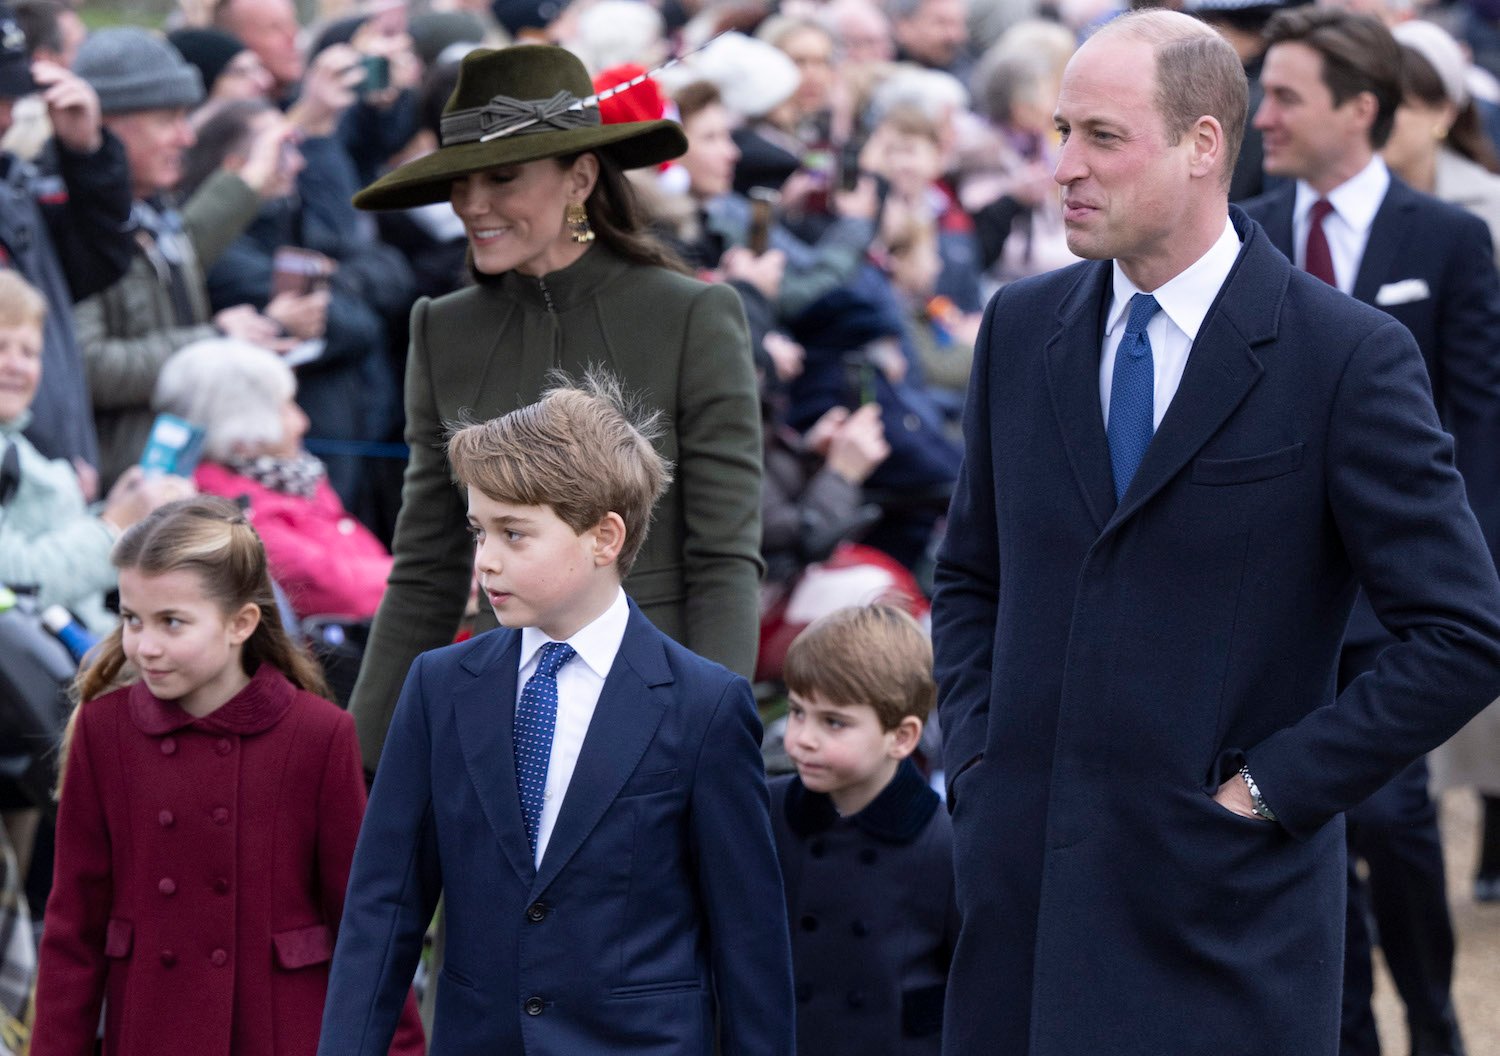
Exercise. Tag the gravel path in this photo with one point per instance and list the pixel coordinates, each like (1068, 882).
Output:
(1476, 982)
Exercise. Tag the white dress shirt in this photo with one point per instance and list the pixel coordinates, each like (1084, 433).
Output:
(579, 683)
(1355, 203)
(1184, 300)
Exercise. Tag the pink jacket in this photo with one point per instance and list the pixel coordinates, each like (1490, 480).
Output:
(327, 562)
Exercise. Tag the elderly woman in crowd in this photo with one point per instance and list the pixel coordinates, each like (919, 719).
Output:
(244, 399)
(50, 540)
(566, 278)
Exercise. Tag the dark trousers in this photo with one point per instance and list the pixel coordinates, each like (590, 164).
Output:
(1402, 907)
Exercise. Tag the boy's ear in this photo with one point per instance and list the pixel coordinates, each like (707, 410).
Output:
(905, 737)
(243, 622)
(609, 538)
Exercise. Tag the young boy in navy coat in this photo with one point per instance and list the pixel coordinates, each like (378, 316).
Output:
(585, 794)
(867, 853)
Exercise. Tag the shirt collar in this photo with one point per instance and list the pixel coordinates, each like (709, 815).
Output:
(596, 643)
(1187, 296)
(1356, 200)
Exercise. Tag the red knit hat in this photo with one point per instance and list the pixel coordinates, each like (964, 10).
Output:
(644, 102)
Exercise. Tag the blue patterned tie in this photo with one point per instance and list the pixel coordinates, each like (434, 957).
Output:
(536, 717)
(1130, 395)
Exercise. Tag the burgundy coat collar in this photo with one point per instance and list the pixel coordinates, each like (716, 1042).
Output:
(254, 709)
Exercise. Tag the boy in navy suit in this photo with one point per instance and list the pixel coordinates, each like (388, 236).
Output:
(867, 854)
(585, 794)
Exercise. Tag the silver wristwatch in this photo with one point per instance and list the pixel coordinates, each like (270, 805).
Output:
(1257, 800)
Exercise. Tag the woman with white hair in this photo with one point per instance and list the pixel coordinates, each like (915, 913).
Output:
(244, 398)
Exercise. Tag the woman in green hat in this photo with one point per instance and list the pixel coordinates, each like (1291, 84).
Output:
(566, 278)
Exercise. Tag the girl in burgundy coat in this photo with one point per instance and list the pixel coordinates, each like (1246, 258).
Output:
(208, 812)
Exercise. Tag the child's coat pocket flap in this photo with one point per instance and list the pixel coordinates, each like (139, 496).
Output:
(304, 946)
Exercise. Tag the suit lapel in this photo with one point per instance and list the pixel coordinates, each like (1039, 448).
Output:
(1277, 221)
(1221, 367)
(624, 722)
(484, 709)
(1388, 233)
(1073, 377)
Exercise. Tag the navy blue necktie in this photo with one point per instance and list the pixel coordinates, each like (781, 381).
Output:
(536, 718)
(1130, 396)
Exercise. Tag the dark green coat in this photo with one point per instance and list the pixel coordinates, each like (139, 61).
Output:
(680, 347)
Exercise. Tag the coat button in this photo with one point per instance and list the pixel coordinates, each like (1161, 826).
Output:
(221, 885)
(536, 912)
(219, 957)
(860, 929)
(221, 815)
(868, 855)
(166, 818)
(856, 999)
(168, 958)
(809, 922)
(222, 746)
(168, 746)
(167, 886)
(534, 1006)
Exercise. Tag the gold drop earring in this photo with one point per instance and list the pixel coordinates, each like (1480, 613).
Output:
(577, 219)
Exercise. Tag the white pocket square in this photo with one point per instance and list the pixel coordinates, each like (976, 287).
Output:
(1403, 292)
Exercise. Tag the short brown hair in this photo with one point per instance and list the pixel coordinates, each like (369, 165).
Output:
(695, 97)
(874, 655)
(581, 450)
(20, 302)
(1198, 74)
(1359, 55)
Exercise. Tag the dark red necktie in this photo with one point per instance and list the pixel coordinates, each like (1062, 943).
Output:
(1318, 260)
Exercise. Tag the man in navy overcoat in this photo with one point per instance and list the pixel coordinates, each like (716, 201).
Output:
(1144, 586)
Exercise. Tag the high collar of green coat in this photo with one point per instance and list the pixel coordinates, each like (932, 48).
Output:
(565, 288)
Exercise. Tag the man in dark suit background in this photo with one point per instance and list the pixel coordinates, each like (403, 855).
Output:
(1332, 81)
(1182, 456)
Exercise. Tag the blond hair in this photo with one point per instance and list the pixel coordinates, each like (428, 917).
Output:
(21, 304)
(582, 450)
(875, 655)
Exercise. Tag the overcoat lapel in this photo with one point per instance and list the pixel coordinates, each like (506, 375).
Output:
(1221, 367)
(1073, 378)
(623, 725)
(1388, 233)
(484, 709)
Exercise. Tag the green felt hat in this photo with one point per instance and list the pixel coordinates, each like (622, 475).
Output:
(513, 105)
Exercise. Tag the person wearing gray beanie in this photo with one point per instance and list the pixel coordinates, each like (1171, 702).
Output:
(161, 303)
(133, 70)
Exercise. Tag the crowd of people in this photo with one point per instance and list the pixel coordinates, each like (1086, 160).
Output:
(323, 242)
